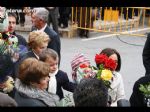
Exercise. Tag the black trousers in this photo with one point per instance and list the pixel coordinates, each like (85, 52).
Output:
(64, 13)
(20, 15)
(53, 18)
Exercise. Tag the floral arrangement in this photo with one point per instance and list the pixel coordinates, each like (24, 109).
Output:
(105, 66)
(145, 89)
(9, 85)
(85, 71)
(103, 71)
(8, 43)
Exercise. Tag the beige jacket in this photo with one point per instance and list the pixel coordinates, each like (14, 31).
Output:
(117, 91)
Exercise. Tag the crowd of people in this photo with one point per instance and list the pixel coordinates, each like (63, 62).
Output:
(30, 74)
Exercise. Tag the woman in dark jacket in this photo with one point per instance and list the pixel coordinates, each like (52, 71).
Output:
(37, 41)
(32, 83)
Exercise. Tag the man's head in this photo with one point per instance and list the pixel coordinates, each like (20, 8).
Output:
(39, 17)
(51, 57)
(12, 21)
(91, 92)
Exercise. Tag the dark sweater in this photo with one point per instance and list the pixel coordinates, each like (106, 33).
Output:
(63, 82)
(24, 101)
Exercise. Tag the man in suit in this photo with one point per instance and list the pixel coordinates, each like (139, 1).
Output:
(39, 20)
(12, 18)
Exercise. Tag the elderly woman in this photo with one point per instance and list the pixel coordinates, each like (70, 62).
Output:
(32, 83)
(37, 42)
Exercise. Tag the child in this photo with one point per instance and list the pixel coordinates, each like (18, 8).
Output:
(58, 78)
(78, 60)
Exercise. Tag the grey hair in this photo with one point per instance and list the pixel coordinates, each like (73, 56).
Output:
(41, 13)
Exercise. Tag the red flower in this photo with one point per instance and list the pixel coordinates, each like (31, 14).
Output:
(83, 65)
(110, 64)
(100, 58)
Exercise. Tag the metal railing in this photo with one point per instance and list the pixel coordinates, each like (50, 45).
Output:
(118, 20)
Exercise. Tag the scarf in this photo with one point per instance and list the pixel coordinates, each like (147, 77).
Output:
(52, 86)
(48, 98)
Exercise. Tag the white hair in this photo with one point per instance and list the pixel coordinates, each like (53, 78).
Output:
(41, 13)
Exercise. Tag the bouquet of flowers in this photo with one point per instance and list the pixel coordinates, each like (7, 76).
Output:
(105, 66)
(8, 43)
(145, 89)
(85, 71)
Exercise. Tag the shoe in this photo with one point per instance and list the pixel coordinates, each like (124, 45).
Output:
(87, 35)
(81, 35)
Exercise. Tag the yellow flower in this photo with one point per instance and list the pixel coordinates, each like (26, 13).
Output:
(106, 75)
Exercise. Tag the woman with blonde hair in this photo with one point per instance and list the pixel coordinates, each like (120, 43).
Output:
(31, 84)
(37, 42)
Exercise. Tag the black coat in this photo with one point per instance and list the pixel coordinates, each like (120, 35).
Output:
(21, 39)
(24, 101)
(146, 55)
(55, 40)
(29, 54)
(63, 82)
(137, 98)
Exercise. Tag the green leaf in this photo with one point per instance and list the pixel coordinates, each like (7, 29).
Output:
(145, 89)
